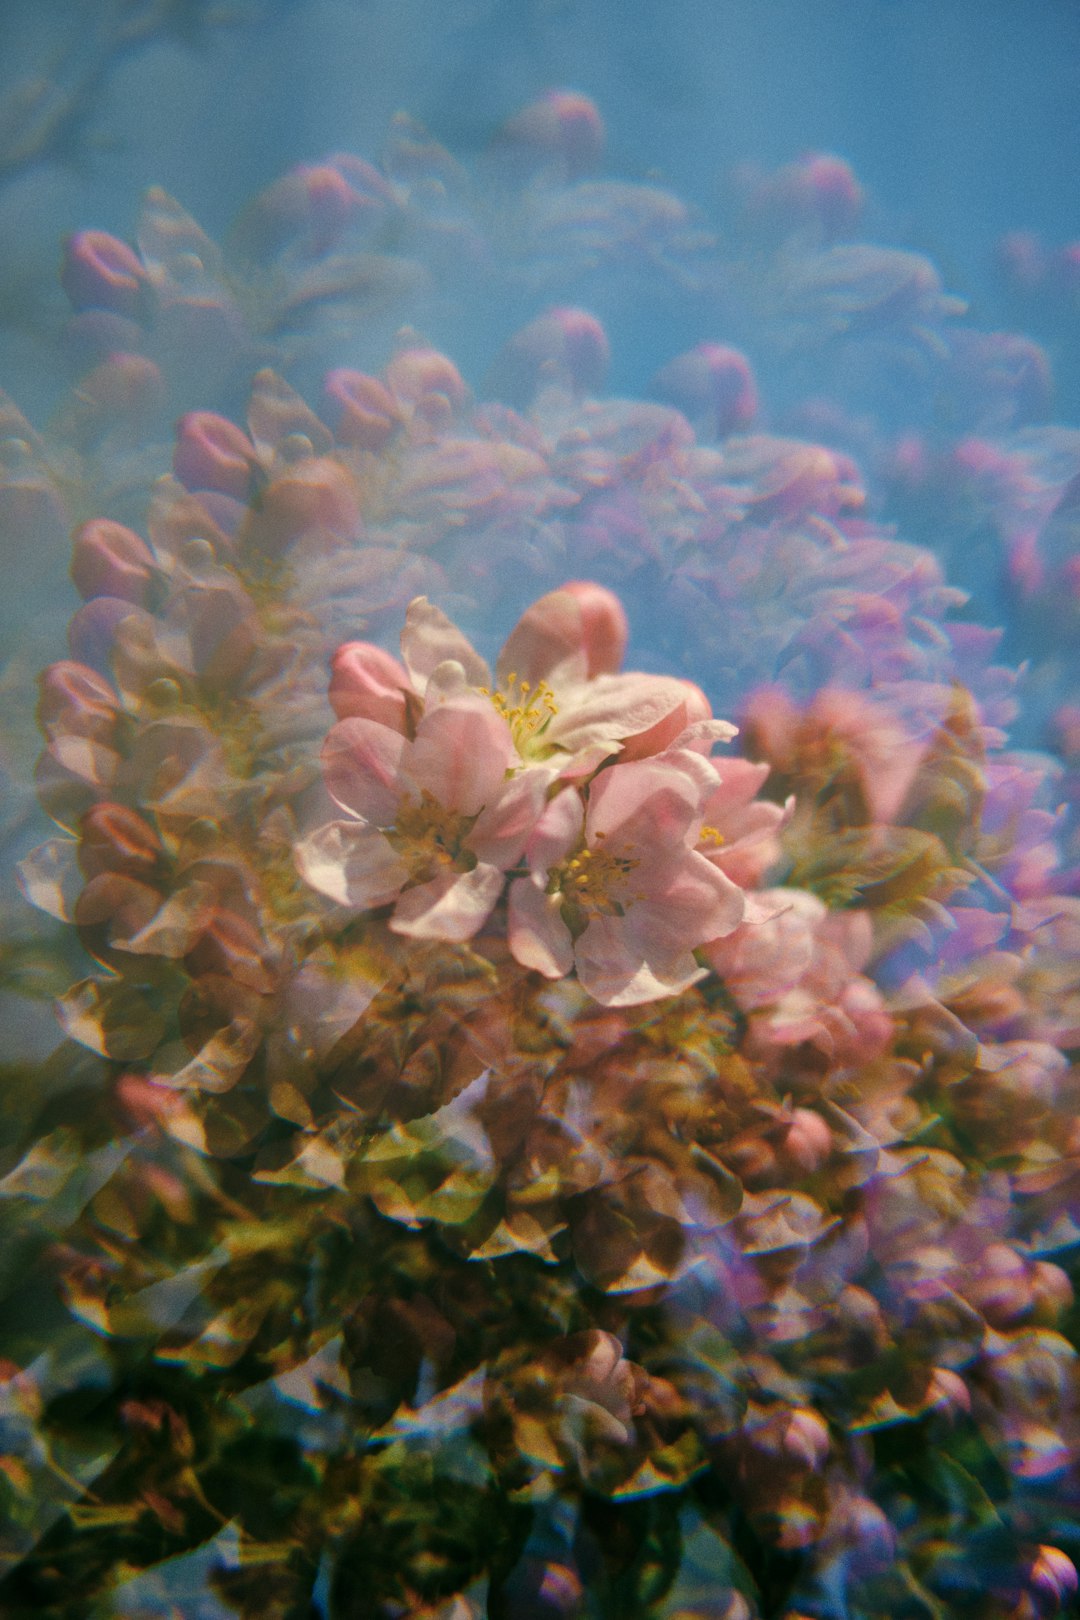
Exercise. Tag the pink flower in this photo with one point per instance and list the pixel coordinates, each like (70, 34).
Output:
(617, 888)
(434, 821)
(555, 682)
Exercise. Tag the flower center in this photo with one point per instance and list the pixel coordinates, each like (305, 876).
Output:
(593, 883)
(430, 838)
(527, 709)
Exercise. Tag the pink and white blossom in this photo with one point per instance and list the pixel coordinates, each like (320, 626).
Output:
(432, 823)
(617, 889)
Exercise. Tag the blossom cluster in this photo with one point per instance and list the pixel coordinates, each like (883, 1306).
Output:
(509, 1153)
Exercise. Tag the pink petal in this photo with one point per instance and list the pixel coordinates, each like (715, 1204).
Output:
(462, 752)
(451, 907)
(690, 903)
(505, 825)
(549, 636)
(613, 971)
(557, 832)
(351, 864)
(537, 936)
(615, 707)
(738, 780)
(646, 805)
(430, 638)
(362, 765)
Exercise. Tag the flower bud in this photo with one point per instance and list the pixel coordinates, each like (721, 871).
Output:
(564, 347)
(113, 838)
(807, 1144)
(111, 560)
(100, 272)
(76, 701)
(414, 374)
(213, 453)
(363, 411)
(1052, 1578)
(562, 129)
(714, 388)
(369, 684)
(316, 494)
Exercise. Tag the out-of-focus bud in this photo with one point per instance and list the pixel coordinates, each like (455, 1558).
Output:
(1021, 258)
(1052, 1579)
(100, 272)
(818, 192)
(1052, 1291)
(213, 453)
(113, 838)
(312, 495)
(417, 374)
(369, 684)
(806, 1144)
(92, 629)
(947, 1392)
(713, 385)
(562, 130)
(565, 348)
(362, 410)
(123, 387)
(541, 1589)
(805, 1438)
(1065, 270)
(76, 701)
(111, 560)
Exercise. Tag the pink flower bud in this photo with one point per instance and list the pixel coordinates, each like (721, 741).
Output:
(316, 494)
(416, 373)
(113, 838)
(100, 272)
(122, 386)
(561, 129)
(76, 701)
(1021, 258)
(713, 386)
(806, 1438)
(111, 560)
(92, 629)
(116, 903)
(213, 453)
(363, 411)
(1052, 1291)
(948, 1392)
(605, 629)
(370, 684)
(807, 1144)
(567, 348)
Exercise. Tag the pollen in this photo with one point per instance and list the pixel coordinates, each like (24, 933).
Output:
(713, 836)
(526, 708)
(430, 838)
(594, 882)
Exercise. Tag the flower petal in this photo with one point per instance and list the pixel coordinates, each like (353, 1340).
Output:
(462, 752)
(506, 823)
(612, 970)
(451, 907)
(537, 936)
(557, 832)
(353, 865)
(362, 764)
(430, 638)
